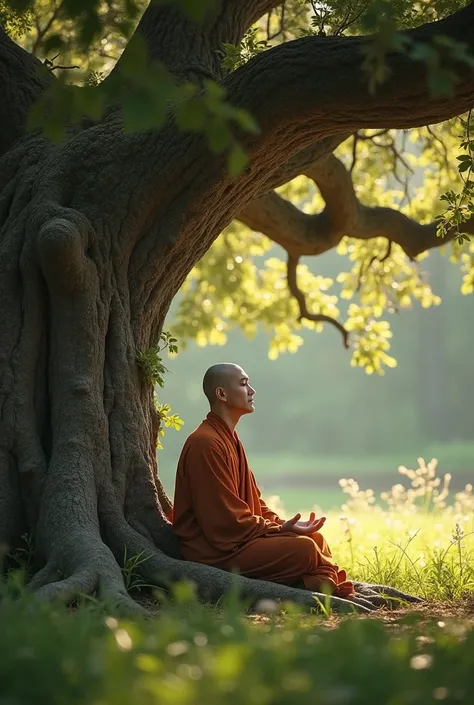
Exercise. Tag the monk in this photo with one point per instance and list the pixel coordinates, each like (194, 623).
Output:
(219, 514)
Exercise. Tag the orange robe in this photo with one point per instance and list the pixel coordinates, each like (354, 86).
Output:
(221, 519)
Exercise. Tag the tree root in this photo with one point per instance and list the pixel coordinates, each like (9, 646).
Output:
(48, 585)
(212, 583)
(385, 595)
(87, 567)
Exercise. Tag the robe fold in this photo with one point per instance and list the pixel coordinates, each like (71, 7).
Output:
(221, 519)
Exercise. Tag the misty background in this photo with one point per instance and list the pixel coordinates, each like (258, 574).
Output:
(317, 419)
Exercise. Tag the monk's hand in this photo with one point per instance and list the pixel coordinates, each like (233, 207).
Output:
(303, 528)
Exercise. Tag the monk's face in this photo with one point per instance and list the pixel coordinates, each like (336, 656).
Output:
(238, 393)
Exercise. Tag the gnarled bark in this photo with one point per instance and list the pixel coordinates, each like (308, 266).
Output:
(96, 236)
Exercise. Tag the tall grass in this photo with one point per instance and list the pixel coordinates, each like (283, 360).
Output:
(418, 538)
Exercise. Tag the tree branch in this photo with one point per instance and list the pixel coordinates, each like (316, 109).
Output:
(194, 51)
(291, 89)
(23, 78)
(295, 291)
(303, 160)
(302, 234)
(257, 8)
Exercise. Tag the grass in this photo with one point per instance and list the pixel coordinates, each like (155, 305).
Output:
(280, 471)
(419, 538)
(192, 654)
(453, 456)
(421, 542)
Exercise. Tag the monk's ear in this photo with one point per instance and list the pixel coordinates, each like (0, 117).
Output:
(220, 393)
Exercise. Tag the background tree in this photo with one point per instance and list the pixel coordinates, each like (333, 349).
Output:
(100, 229)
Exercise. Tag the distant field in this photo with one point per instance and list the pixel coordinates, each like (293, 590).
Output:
(303, 481)
(303, 500)
(452, 457)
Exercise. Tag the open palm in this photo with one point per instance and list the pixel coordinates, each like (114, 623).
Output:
(303, 527)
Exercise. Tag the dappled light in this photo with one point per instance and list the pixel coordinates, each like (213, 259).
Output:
(280, 192)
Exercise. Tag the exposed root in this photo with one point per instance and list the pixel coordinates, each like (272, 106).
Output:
(91, 572)
(46, 575)
(89, 582)
(68, 589)
(212, 583)
(384, 595)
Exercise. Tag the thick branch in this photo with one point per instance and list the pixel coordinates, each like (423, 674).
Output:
(257, 8)
(194, 51)
(303, 160)
(22, 80)
(300, 298)
(301, 234)
(292, 92)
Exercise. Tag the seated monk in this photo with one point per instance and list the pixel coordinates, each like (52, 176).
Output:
(219, 514)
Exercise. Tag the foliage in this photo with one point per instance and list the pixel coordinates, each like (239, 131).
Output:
(237, 284)
(255, 294)
(207, 111)
(250, 46)
(428, 492)
(191, 653)
(88, 37)
(167, 420)
(21, 559)
(15, 23)
(150, 361)
(460, 206)
(152, 369)
(405, 170)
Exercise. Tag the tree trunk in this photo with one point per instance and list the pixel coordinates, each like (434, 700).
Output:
(97, 235)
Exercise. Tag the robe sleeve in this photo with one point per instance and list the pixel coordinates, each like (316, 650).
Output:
(225, 520)
(267, 513)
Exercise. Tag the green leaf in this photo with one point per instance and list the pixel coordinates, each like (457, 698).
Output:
(191, 115)
(237, 160)
(218, 137)
(88, 101)
(247, 122)
(141, 113)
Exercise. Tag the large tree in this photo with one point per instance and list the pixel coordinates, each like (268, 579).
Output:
(100, 229)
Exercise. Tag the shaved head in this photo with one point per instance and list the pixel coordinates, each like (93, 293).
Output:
(219, 376)
(228, 391)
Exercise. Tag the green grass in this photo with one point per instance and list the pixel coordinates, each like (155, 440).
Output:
(274, 469)
(454, 456)
(419, 538)
(192, 655)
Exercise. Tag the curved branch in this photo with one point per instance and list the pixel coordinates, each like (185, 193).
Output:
(300, 297)
(303, 160)
(302, 234)
(257, 8)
